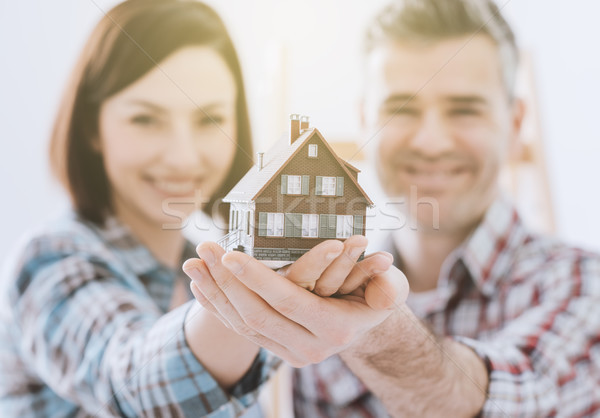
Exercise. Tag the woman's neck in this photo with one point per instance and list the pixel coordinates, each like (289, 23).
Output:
(166, 245)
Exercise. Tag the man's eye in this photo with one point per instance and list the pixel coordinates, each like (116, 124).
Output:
(144, 120)
(401, 111)
(464, 111)
(210, 120)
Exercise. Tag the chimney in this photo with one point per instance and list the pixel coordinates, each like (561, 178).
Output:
(260, 160)
(294, 127)
(303, 123)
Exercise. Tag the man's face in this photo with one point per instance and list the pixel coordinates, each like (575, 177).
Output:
(439, 121)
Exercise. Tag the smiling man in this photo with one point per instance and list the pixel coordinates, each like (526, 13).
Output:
(500, 321)
(511, 319)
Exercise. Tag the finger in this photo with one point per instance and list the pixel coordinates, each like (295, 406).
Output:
(207, 305)
(206, 290)
(250, 312)
(307, 269)
(333, 322)
(373, 264)
(211, 253)
(388, 290)
(277, 349)
(335, 274)
(207, 293)
(281, 294)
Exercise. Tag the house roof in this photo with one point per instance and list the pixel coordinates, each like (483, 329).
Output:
(274, 160)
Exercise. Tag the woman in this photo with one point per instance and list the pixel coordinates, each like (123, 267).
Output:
(153, 123)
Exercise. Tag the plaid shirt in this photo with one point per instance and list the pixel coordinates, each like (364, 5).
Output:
(529, 306)
(85, 331)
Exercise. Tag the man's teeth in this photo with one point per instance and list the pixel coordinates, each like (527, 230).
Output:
(414, 171)
(175, 186)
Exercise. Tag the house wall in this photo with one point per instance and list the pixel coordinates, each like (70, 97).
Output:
(271, 200)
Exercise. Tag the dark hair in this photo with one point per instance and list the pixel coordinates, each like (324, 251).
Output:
(436, 20)
(126, 44)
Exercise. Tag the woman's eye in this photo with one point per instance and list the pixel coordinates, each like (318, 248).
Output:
(144, 120)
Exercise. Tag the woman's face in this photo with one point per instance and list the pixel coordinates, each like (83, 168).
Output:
(168, 140)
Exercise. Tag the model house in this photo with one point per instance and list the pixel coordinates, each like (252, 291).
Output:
(297, 195)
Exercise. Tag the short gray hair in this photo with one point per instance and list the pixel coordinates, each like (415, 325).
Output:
(436, 20)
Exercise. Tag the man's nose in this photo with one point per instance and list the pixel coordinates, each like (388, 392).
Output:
(432, 137)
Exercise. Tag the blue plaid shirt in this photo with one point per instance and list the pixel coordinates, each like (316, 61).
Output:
(85, 330)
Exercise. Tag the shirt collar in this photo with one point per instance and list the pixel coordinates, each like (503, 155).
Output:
(489, 252)
(486, 255)
(132, 252)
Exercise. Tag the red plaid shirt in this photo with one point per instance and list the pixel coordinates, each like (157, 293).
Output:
(528, 305)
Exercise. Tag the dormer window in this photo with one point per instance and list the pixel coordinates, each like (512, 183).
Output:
(312, 150)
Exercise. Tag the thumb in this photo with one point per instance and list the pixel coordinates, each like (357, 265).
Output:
(387, 290)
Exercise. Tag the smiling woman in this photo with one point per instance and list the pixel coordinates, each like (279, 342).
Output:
(170, 134)
(94, 317)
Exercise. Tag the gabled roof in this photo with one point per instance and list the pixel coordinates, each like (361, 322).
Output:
(274, 160)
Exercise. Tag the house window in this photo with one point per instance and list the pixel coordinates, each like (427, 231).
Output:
(328, 188)
(344, 226)
(294, 184)
(312, 150)
(274, 224)
(310, 226)
(327, 225)
(293, 225)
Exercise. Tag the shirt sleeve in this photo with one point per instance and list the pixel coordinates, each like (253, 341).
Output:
(545, 361)
(104, 345)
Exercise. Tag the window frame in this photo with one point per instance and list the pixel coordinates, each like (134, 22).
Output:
(308, 218)
(343, 228)
(332, 186)
(292, 188)
(273, 218)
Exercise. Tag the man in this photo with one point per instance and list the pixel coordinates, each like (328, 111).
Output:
(500, 321)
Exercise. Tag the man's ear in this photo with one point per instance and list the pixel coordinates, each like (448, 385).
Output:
(517, 148)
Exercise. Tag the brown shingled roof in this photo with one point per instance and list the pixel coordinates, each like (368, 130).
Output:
(274, 160)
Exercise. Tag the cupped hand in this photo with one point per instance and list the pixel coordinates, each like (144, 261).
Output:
(273, 311)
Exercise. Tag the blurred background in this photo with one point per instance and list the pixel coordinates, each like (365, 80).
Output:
(304, 57)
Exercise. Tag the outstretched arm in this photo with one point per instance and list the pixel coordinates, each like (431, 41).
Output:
(373, 330)
(415, 373)
(96, 339)
(290, 321)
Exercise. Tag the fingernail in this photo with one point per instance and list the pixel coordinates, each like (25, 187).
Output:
(356, 252)
(208, 256)
(194, 274)
(232, 265)
(388, 255)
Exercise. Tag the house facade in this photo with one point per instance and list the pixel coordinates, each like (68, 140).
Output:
(299, 193)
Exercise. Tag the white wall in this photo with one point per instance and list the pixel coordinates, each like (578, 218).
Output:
(563, 35)
(318, 41)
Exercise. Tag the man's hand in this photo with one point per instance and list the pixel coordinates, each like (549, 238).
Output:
(271, 310)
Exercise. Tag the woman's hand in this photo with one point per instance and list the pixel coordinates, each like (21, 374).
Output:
(295, 324)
